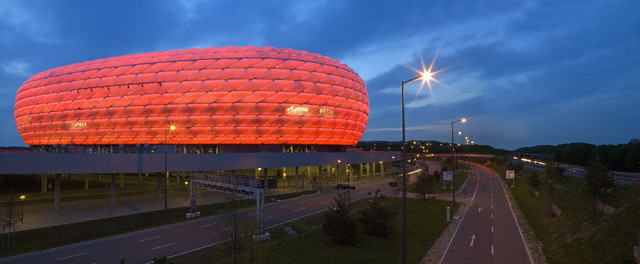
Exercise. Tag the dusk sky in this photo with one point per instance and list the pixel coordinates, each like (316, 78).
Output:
(523, 73)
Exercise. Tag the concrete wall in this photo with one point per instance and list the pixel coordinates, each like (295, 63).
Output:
(50, 163)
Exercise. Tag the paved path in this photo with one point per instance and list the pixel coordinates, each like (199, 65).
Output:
(488, 232)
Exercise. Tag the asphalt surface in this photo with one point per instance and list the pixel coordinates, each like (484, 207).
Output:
(488, 232)
(181, 238)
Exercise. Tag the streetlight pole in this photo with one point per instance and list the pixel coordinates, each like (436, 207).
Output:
(426, 76)
(166, 173)
(453, 148)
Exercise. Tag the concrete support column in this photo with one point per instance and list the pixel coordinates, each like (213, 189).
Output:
(113, 188)
(368, 171)
(43, 183)
(56, 199)
(160, 186)
(121, 180)
(296, 177)
(382, 169)
(266, 179)
(361, 170)
(139, 177)
(337, 173)
(319, 176)
(86, 182)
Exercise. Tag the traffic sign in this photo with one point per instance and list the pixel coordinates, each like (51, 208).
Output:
(447, 176)
(511, 174)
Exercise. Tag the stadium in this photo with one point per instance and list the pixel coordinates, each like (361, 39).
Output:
(281, 118)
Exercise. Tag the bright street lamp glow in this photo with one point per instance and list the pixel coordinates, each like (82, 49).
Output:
(463, 119)
(172, 127)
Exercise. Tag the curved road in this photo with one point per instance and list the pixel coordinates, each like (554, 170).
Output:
(488, 232)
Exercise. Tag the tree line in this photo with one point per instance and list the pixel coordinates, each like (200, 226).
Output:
(621, 157)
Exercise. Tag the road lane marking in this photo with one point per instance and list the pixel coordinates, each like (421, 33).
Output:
(491, 215)
(72, 256)
(223, 230)
(299, 209)
(491, 250)
(473, 237)
(147, 239)
(205, 226)
(491, 229)
(269, 218)
(285, 206)
(492, 206)
(479, 209)
(167, 245)
(325, 202)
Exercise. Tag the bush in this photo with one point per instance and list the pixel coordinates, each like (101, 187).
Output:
(376, 219)
(339, 224)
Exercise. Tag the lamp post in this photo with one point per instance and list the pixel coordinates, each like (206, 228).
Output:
(426, 76)
(166, 172)
(453, 148)
(22, 198)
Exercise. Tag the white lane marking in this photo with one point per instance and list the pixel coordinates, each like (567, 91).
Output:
(491, 250)
(285, 206)
(147, 239)
(492, 206)
(491, 215)
(72, 256)
(491, 229)
(299, 209)
(325, 202)
(167, 245)
(473, 237)
(223, 230)
(269, 218)
(205, 226)
(479, 209)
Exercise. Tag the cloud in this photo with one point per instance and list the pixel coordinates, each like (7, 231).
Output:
(19, 68)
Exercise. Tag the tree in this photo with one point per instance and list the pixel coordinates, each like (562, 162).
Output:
(533, 180)
(425, 182)
(161, 260)
(376, 219)
(598, 181)
(9, 220)
(241, 231)
(555, 176)
(339, 224)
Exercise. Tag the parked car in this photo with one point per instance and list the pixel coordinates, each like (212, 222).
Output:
(345, 186)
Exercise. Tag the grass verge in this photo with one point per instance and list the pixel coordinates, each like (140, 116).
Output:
(578, 235)
(425, 223)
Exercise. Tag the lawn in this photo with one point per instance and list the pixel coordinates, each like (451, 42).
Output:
(425, 223)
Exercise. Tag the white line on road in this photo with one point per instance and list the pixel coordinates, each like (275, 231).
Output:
(167, 245)
(285, 206)
(223, 230)
(72, 256)
(491, 250)
(491, 229)
(491, 215)
(205, 226)
(479, 209)
(473, 237)
(269, 218)
(325, 202)
(492, 206)
(147, 239)
(299, 209)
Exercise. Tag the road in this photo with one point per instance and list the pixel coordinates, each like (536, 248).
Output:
(176, 239)
(488, 232)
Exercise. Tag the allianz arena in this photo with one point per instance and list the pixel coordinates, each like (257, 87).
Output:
(230, 95)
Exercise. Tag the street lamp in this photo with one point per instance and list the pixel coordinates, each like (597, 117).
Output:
(166, 172)
(425, 76)
(186, 190)
(453, 147)
(22, 198)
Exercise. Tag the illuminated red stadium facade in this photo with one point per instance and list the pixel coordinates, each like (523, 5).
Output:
(230, 95)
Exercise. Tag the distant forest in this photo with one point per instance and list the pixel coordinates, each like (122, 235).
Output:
(621, 157)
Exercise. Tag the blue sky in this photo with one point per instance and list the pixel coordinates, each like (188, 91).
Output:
(523, 72)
